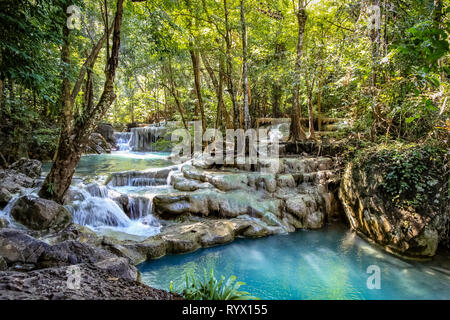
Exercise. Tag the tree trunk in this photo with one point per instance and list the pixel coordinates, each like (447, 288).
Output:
(75, 132)
(375, 38)
(196, 66)
(247, 119)
(437, 18)
(1, 94)
(12, 95)
(280, 49)
(218, 88)
(173, 92)
(310, 89)
(319, 106)
(296, 130)
(229, 69)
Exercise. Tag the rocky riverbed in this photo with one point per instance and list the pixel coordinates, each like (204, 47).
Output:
(107, 225)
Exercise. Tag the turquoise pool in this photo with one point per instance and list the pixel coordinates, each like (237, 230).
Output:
(327, 264)
(103, 164)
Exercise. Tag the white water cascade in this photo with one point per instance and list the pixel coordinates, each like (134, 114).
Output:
(143, 139)
(123, 140)
(102, 208)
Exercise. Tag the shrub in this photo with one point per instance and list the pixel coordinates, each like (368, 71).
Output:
(213, 289)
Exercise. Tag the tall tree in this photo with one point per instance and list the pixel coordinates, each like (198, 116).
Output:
(75, 131)
(296, 129)
(247, 120)
(229, 67)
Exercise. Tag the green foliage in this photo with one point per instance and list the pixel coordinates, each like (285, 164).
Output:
(213, 289)
(413, 176)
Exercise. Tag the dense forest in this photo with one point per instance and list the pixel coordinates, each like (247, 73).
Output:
(226, 63)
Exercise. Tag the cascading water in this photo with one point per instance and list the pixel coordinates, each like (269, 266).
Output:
(144, 138)
(6, 212)
(123, 140)
(102, 208)
(97, 212)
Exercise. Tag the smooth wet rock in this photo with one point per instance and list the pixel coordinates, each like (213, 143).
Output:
(305, 208)
(286, 181)
(40, 214)
(151, 248)
(107, 132)
(208, 202)
(183, 184)
(97, 144)
(192, 236)
(4, 223)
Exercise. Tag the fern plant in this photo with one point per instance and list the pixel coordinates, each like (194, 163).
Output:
(213, 289)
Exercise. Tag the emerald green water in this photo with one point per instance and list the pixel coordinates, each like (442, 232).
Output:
(103, 164)
(326, 264)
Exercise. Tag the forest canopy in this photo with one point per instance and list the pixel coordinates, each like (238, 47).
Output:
(380, 65)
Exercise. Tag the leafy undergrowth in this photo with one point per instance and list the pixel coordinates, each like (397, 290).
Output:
(415, 178)
(210, 288)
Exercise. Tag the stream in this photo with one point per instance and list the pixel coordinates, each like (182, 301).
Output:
(330, 263)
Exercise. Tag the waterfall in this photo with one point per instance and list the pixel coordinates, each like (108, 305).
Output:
(123, 140)
(100, 207)
(139, 207)
(98, 212)
(145, 178)
(143, 139)
(6, 212)
(96, 190)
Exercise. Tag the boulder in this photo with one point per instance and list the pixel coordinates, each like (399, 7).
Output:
(107, 131)
(40, 214)
(14, 181)
(189, 237)
(214, 203)
(74, 232)
(71, 252)
(183, 184)
(119, 267)
(152, 248)
(97, 144)
(306, 208)
(399, 230)
(29, 167)
(286, 181)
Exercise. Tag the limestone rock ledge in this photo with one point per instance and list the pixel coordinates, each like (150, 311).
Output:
(399, 231)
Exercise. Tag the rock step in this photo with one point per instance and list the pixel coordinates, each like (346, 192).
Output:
(193, 178)
(140, 178)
